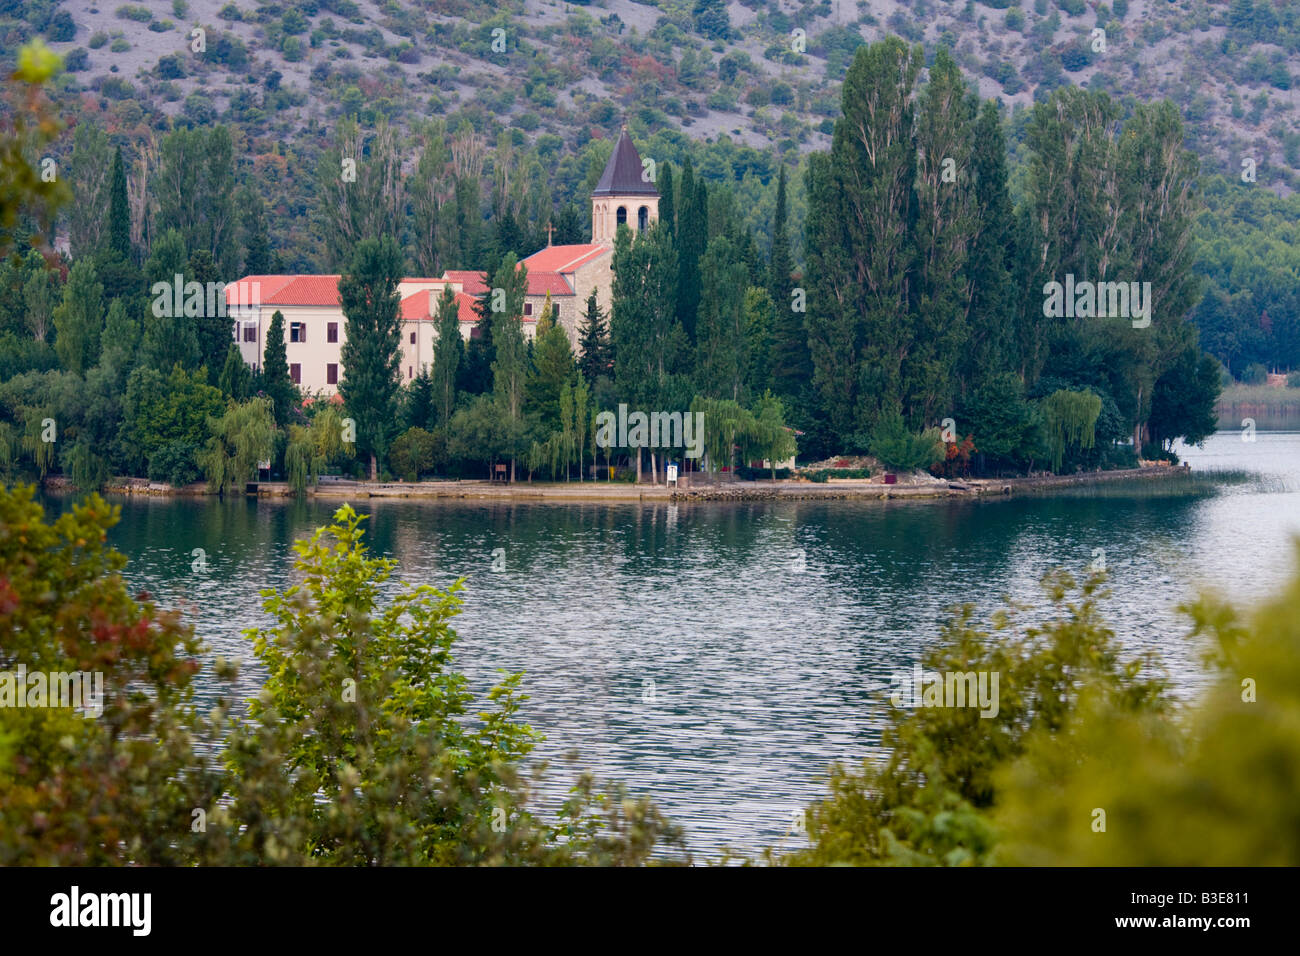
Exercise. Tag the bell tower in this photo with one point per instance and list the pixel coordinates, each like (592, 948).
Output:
(623, 196)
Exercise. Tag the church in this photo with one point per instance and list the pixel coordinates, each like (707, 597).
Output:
(314, 323)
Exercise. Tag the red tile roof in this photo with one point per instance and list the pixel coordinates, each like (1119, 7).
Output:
(417, 306)
(564, 258)
(540, 283)
(472, 281)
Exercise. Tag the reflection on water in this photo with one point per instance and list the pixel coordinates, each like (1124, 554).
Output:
(720, 656)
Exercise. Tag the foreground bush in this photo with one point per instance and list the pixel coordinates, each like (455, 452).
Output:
(1088, 761)
(361, 748)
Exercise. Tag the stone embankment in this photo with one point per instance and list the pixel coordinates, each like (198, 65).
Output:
(690, 490)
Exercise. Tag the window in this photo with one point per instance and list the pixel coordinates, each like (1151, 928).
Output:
(622, 216)
(332, 373)
(250, 331)
(295, 373)
(332, 332)
(410, 372)
(297, 332)
(528, 308)
(412, 338)
(642, 219)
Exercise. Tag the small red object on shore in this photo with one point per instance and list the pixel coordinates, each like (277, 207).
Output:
(891, 479)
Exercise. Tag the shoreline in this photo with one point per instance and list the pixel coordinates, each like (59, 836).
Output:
(698, 490)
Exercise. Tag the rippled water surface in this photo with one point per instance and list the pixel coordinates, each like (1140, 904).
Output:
(720, 656)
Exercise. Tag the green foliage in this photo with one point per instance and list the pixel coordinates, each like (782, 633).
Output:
(175, 463)
(1070, 419)
(362, 750)
(901, 450)
(932, 799)
(371, 352)
(414, 453)
(1212, 789)
(240, 438)
(165, 410)
(117, 790)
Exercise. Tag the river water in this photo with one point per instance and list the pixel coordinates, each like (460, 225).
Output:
(720, 656)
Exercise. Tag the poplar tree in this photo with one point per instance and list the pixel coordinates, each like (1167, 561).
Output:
(79, 319)
(448, 355)
(722, 350)
(945, 228)
(506, 295)
(372, 350)
(861, 249)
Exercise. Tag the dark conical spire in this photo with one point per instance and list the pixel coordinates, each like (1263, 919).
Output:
(622, 175)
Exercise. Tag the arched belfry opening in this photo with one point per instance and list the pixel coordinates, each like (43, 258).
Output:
(625, 186)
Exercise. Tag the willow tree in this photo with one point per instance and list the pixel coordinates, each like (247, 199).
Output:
(1071, 419)
(242, 437)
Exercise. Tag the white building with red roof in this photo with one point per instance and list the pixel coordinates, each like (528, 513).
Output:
(314, 323)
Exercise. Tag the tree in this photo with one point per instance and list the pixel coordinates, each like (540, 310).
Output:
(79, 319)
(690, 239)
(359, 189)
(119, 212)
(235, 380)
(722, 348)
(861, 247)
(711, 19)
(934, 800)
(89, 172)
(790, 362)
(448, 356)
(240, 438)
(257, 241)
(372, 350)
(944, 230)
(213, 327)
(593, 342)
(93, 792)
(1184, 400)
(510, 368)
(553, 369)
(418, 408)
(649, 343)
(276, 383)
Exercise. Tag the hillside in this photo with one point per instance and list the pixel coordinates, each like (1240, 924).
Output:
(711, 69)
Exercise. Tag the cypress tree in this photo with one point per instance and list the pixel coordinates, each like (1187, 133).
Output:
(119, 210)
(790, 362)
(275, 369)
(667, 203)
(448, 356)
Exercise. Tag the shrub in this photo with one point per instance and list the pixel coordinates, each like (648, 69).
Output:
(1293, 379)
(120, 45)
(97, 39)
(176, 464)
(414, 453)
(1255, 374)
(929, 802)
(130, 12)
(900, 450)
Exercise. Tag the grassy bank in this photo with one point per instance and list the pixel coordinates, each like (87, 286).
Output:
(1273, 409)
